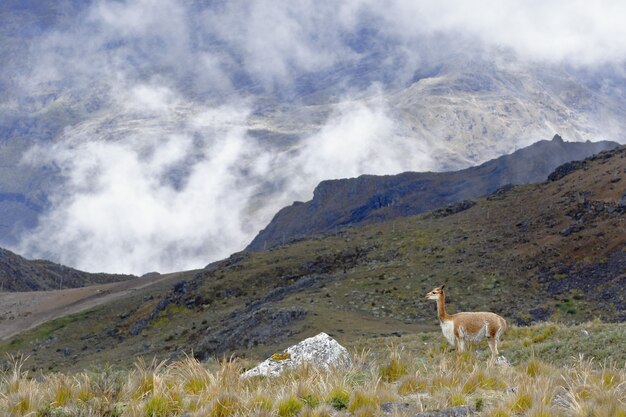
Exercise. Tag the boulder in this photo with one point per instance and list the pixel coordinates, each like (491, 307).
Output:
(322, 351)
(449, 412)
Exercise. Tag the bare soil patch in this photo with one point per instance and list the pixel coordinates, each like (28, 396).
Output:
(20, 311)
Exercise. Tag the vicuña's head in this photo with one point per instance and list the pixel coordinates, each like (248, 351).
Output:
(434, 294)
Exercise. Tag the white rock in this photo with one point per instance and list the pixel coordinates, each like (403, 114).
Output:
(321, 350)
(502, 361)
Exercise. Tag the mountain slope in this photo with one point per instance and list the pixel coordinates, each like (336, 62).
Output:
(20, 274)
(369, 198)
(554, 250)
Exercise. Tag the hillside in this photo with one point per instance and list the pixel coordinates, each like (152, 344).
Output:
(548, 251)
(556, 370)
(369, 198)
(20, 274)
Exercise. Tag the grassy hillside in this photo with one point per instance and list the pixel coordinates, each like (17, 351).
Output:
(551, 251)
(374, 199)
(557, 370)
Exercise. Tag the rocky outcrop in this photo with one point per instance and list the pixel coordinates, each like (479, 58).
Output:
(569, 167)
(449, 412)
(394, 408)
(369, 199)
(322, 351)
(20, 274)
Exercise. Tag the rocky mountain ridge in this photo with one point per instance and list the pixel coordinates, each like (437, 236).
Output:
(20, 274)
(369, 198)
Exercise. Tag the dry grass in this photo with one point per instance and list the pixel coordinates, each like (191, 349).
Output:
(532, 387)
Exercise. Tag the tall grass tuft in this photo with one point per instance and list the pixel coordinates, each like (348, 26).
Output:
(361, 399)
(290, 406)
(396, 367)
(338, 398)
(578, 387)
(224, 405)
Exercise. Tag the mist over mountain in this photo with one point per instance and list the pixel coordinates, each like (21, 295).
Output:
(142, 135)
(373, 199)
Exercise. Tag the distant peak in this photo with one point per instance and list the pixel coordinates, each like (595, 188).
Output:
(557, 138)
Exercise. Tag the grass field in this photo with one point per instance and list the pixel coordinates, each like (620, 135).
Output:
(556, 370)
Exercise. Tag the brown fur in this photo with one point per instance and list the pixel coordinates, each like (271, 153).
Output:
(467, 327)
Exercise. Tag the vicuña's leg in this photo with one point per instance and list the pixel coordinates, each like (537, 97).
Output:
(493, 345)
(460, 345)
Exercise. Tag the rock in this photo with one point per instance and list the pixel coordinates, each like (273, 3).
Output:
(622, 201)
(565, 169)
(541, 314)
(574, 227)
(321, 350)
(395, 407)
(453, 209)
(502, 361)
(500, 192)
(449, 412)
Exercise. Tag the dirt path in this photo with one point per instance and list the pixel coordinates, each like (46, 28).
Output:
(20, 311)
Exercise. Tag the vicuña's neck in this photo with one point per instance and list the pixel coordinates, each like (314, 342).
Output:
(441, 307)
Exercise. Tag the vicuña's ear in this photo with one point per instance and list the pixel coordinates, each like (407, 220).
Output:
(443, 286)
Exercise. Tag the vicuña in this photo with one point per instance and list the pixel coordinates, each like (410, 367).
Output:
(461, 328)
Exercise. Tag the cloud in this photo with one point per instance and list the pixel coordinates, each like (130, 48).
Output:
(579, 32)
(178, 200)
(151, 201)
(155, 99)
(218, 49)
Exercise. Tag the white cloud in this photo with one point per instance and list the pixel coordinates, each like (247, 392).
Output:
(361, 139)
(176, 201)
(165, 177)
(119, 210)
(580, 32)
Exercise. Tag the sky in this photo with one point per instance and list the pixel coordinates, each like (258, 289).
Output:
(158, 168)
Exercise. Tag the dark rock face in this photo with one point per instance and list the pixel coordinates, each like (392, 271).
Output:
(255, 327)
(453, 208)
(256, 324)
(369, 199)
(20, 274)
(564, 170)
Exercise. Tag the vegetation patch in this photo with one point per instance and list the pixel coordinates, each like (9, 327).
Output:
(540, 383)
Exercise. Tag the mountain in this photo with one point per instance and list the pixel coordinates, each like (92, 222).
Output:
(554, 250)
(19, 274)
(369, 198)
(71, 87)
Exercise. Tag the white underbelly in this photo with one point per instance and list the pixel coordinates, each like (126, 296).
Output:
(447, 328)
